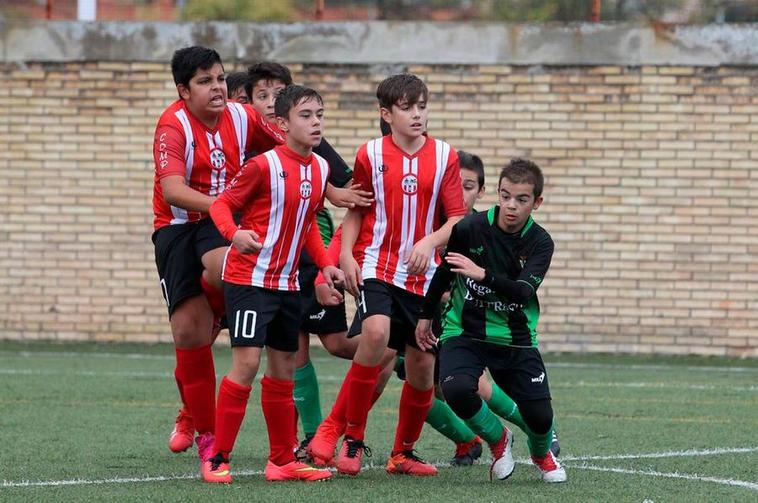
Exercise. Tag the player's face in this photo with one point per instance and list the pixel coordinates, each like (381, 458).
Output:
(206, 94)
(408, 121)
(304, 125)
(240, 96)
(471, 189)
(264, 96)
(517, 202)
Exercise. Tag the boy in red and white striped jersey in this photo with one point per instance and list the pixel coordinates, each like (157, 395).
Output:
(199, 143)
(279, 194)
(389, 255)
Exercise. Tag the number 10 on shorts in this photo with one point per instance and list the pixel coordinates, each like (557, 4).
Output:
(245, 327)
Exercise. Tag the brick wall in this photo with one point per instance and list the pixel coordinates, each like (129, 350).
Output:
(651, 193)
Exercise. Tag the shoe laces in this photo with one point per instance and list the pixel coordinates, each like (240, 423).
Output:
(216, 461)
(412, 456)
(546, 463)
(463, 449)
(183, 417)
(354, 445)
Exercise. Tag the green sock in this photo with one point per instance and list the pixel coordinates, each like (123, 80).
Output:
(442, 418)
(504, 406)
(307, 399)
(539, 444)
(486, 424)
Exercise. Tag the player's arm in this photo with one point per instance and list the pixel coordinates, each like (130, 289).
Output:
(170, 167)
(439, 285)
(324, 295)
(517, 290)
(351, 226)
(529, 280)
(341, 191)
(315, 248)
(451, 193)
(244, 183)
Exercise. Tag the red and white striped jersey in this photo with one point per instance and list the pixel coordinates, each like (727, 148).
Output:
(280, 193)
(410, 192)
(206, 158)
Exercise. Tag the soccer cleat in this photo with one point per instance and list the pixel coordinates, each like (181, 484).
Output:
(351, 453)
(183, 432)
(407, 463)
(502, 455)
(301, 451)
(216, 470)
(324, 442)
(204, 443)
(549, 467)
(467, 452)
(295, 470)
(555, 447)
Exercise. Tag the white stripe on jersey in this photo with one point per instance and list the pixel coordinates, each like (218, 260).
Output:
(442, 156)
(374, 151)
(180, 214)
(324, 172)
(239, 118)
(302, 211)
(274, 221)
(408, 228)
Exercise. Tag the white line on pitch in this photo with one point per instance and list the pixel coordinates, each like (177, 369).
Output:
(578, 365)
(668, 454)
(675, 475)
(340, 378)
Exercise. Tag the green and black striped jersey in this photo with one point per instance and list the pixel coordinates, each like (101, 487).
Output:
(503, 308)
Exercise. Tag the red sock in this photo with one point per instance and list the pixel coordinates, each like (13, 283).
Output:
(279, 411)
(179, 387)
(232, 402)
(414, 405)
(375, 396)
(215, 298)
(361, 382)
(197, 377)
(339, 409)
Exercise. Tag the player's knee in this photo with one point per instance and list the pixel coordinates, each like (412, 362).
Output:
(374, 337)
(460, 393)
(537, 414)
(336, 346)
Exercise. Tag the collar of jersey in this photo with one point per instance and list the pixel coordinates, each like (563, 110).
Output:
(284, 149)
(406, 154)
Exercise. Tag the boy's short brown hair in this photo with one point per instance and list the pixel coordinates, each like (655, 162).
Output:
(520, 170)
(401, 86)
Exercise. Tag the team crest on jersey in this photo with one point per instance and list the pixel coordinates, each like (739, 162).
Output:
(218, 159)
(410, 184)
(306, 189)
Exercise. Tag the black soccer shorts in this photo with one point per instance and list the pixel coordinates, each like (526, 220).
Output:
(179, 250)
(520, 372)
(260, 317)
(401, 306)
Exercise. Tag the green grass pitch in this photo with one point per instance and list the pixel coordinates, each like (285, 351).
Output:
(84, 422)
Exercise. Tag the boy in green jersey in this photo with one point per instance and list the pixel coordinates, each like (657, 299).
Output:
(497, 259)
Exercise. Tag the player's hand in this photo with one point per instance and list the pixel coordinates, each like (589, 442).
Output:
(328, 296)
(333, 276)
(350, 196)
(421, 253)
(246, 241)
(461, 264)
(353, 277)
(424, 336)
(445, 297)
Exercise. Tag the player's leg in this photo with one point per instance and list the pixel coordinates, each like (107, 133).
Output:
(306, 393)
(504, 406)
(415, 401)
(190, 319)
(252, 310)
(525, 379)
(277, 401)
(461, 364)
(211, 247)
